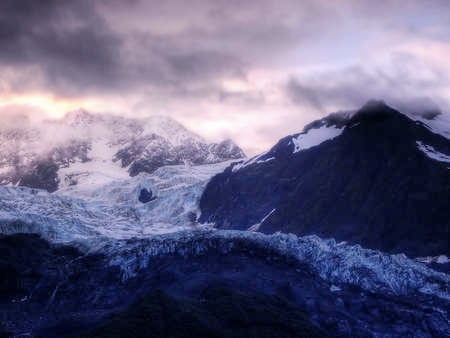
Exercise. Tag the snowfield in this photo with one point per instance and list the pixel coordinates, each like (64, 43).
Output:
(314, 137)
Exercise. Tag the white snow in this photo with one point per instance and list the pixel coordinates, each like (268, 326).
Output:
(266, 160)
(248, 162)
(334, 288)
(337, 264)
(256, 226)
(441, 259)
(433, 153)
(170, 129)
(314, 137)
(90, 175)
(439, 125)
(254, 160)
(109, 209)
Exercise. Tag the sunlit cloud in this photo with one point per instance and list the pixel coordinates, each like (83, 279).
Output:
(50, 105)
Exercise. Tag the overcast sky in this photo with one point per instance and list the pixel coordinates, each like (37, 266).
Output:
(252, 70)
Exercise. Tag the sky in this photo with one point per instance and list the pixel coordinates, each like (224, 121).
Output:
(253, 71)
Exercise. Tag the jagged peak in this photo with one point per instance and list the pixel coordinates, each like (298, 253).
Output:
(375, 108)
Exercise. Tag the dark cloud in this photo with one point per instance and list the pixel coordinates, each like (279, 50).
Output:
(402, 84)
(77, 47)
(65, 40)
(75, 50)
(291, 58)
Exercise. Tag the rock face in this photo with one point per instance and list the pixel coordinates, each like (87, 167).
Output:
(219, 283)
(59, 153)
(374, 177)
(145, 196)
(220, 312)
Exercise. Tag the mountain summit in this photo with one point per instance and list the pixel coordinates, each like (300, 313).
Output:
(374, 177)
(84, 146)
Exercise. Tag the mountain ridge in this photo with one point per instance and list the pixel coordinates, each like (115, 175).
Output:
(60, 151)
(367, 180)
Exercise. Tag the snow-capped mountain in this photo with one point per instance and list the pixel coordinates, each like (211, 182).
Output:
(63, 152)
(374, 176)
(121, 224)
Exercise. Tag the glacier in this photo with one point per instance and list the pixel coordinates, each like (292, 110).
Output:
(337, 263)
(90, 210)
(109, 219)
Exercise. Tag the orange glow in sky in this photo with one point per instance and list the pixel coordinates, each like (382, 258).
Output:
(51, 105)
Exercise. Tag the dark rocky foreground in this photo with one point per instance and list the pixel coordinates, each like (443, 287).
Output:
(222, 289)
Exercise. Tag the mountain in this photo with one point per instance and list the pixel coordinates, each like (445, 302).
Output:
(114, 254)
(375, 177)
(216, 284)
(63, 152)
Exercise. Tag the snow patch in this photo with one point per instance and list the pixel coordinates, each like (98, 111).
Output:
(433, 153)
(439, 125)
(92, 174)
(256, 226)
(254, 160)
(314, 137)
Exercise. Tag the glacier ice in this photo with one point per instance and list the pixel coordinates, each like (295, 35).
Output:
(109, 219)
(86, 211)
(337, 263)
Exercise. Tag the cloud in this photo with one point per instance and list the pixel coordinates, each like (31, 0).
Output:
(72, 49)
(66, 43)
(407, 81)
(226, 67)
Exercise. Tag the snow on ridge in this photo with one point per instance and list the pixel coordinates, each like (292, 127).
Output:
(439, 125)
(433, 153)
(315, 136)
(254, 160)
(336, 263)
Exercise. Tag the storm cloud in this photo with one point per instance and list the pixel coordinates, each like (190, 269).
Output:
(250, 70)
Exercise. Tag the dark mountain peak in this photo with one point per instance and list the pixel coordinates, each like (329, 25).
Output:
(375, 109)
(374, 105)
(374, 177)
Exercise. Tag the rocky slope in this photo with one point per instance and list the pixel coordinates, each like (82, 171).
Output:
(114, 254)
(319, 286)
(375, 177)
